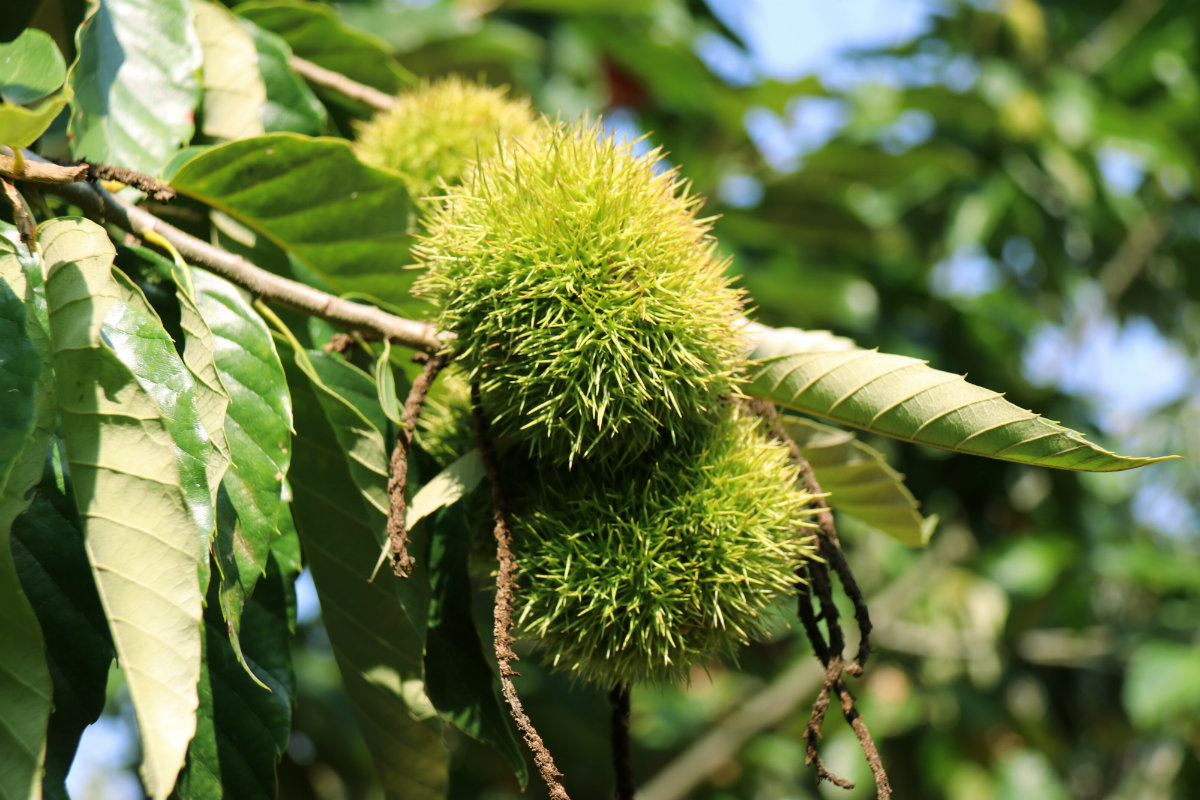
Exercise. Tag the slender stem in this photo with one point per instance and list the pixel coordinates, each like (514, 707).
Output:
(335, 81)
(883, 786)
(829, 653)
(402, 562)
(618, 699)
(502, 612)
(775, 703)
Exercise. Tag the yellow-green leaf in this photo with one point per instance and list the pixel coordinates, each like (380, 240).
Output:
(138, 456)
(860, 482)
(234, 91)
(906, 399)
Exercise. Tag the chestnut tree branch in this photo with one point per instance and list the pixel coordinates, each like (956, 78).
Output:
(100, 204)
(38, 171)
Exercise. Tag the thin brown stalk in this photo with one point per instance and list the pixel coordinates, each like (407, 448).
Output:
(502, 612)
(337, 82)
(619, 701)
(883, 786)
(21, 216)
(812, 731)
(829, 650)
(402, 562)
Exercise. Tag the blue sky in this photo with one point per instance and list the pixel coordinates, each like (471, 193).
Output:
(790, 39)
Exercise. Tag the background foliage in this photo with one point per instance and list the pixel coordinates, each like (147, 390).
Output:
(1010, 194)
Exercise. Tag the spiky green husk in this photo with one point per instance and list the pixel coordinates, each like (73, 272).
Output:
(587, 299)
(643, 574)
(433, 132)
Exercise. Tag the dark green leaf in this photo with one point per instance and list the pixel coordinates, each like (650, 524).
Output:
(315, 33)
(377, 649)
(1163, 684)
(313, 198)
(347, 388)
(291, 105)
(135, 83)
(243, 726)
(257, 427)
(25, 686)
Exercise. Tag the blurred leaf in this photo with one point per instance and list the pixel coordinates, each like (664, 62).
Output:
(291, 105)
(25, 690)
(243, 727)
(904, 398)
(491, 50)
(1032, 566)
(49, 552)
(377, 647)
(569, 7)
(1160, 568)
(135, 83)
(234, 91)
(978, 214)
(1162, 684)
(313, 198)
(458, 675)
(30, 67)
(860, 482)
(137, 455)
(315, 33)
